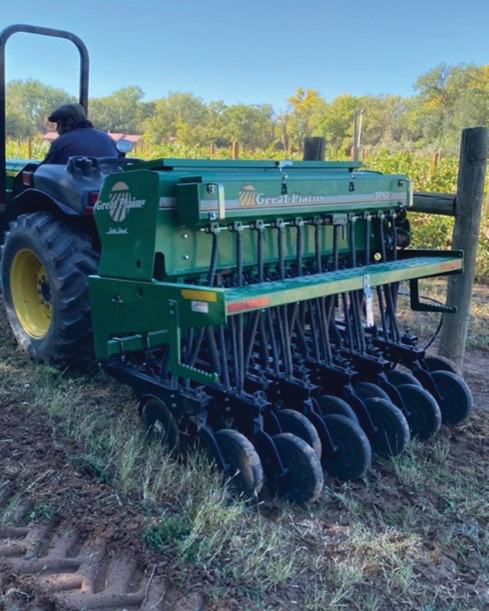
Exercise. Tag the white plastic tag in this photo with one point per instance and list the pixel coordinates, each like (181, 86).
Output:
(369, 301)
(200, 306)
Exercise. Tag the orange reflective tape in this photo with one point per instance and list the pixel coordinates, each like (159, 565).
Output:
(199, 295)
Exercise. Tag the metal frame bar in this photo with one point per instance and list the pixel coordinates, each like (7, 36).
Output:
(5, 34)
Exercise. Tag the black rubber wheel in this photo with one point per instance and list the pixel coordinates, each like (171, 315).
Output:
(456, 398)
(424, 418)
(303, 480)
(392, 435)
(353, 454)
(441, 363)
(397, 377)
(161, 424)
(329, 404)
(367, 390)
(300, 426)
(44, 276)
(245, 469)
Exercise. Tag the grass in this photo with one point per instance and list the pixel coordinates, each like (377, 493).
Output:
(406, 537)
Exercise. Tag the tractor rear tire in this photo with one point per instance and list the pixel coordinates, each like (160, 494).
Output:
(44, 276)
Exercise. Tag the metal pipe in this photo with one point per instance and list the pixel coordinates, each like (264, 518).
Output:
(5, 34)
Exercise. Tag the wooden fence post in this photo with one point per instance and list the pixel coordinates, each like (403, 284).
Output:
(314, 147)
(212, 150)
(470, 192)
(235, 150)
(435, 161)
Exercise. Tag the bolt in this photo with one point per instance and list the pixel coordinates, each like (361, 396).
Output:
(184, 236)
(185, 257)
(211, 188)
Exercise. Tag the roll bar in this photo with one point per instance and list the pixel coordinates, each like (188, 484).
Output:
(5, 34)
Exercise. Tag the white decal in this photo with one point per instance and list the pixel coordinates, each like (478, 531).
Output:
(120, 202)
(200, 306)
(117, 231)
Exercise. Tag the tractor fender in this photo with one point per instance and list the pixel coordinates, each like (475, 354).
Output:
(34, 200)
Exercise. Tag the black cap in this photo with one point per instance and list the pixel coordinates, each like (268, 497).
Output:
(68, 111)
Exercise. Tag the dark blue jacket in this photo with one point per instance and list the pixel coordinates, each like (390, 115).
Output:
(82, 141)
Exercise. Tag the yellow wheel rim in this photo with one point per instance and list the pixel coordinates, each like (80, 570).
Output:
(31, 295)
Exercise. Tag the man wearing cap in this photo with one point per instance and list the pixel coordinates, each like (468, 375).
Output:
(77, 136)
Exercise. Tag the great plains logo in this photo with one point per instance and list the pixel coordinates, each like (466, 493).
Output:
(247, 196)
(120, 202)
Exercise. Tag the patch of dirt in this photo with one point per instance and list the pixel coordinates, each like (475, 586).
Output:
(476, 374)
(70, 542)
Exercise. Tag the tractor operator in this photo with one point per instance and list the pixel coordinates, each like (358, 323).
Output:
(77, 136)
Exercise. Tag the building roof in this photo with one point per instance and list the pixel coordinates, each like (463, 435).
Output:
(134, 138)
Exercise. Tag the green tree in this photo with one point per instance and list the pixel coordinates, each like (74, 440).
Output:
(28, 105)
(121, 112)
(303, 117)
(444, 102)
(335, 123)
(178, 111)
(381, 120)
(251, 125)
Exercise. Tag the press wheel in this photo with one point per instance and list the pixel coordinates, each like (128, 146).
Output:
(329, 404)
(367, 390)
(244, 466)
(456, 398)
(303, 480)
(353, 454)
(424, 417)
(392, 435)
(300, 426)
(161, 424)
(397, 377)
(441, 363)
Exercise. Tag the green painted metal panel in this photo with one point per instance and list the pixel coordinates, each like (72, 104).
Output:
(13, 167)
(130, 244)
(233, 165)
(243, 197)
(126, 217)
(128, 306)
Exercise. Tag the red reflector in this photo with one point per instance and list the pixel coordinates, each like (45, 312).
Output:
(92, 198)
(248, 304)
(27, 180)
(89, 210)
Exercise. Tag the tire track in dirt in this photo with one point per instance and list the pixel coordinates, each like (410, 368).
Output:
(84, 578)
(89, 553)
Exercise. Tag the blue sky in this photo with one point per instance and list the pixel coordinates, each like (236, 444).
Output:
(247, 51)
